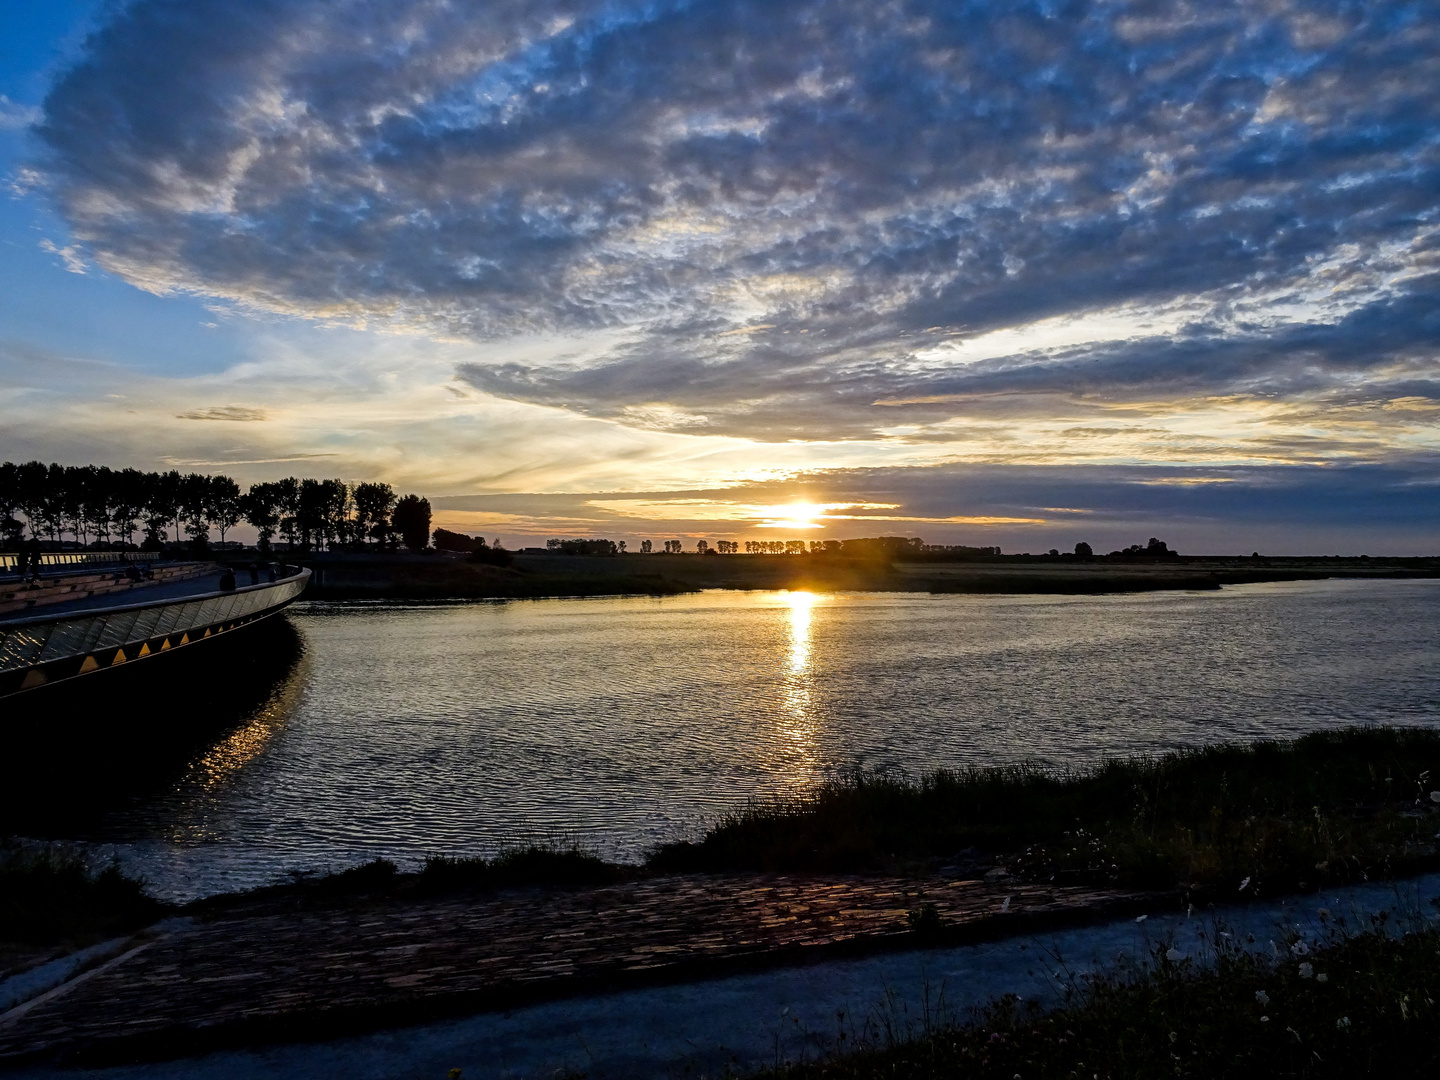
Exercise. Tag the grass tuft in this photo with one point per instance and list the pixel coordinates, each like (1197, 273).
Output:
(530, 865)
(1359, 1005)
(49, 896)
(1324, 809)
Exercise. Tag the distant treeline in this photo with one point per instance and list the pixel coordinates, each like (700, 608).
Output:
(110, 508)
(868, 547)
(865, 547)
(99, 507)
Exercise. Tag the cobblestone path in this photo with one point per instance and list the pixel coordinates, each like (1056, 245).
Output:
(366, 964)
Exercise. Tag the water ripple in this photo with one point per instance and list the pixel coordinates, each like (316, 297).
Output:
(415, 730)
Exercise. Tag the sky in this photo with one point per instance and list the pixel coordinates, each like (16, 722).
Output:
(1003, 273)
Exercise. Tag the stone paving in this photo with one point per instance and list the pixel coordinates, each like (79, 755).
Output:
(288, 974)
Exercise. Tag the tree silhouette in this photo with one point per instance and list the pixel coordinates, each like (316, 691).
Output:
(412, 521)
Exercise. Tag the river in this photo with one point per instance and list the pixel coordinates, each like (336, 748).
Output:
(409, 730)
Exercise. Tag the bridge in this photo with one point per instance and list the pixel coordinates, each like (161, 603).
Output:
(91, 617)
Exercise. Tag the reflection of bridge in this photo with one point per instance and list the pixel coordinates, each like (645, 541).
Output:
(98, 631)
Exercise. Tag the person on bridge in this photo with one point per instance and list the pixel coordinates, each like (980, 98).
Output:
(31, 549)
(227, 580)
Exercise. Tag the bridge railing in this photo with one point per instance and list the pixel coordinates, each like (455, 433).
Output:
(9, 561)
(40, 649)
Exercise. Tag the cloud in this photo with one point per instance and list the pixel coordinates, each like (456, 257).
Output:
(69, 255)
(13, 115)
(225, 412)
(1379, 509)
(795, 219)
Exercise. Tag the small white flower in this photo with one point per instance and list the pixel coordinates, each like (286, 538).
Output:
(1435, 796)
(1174, 955)
(1141, 918)
(1244, 883)
(1299, 948)
(1264, 1019)
(1322, 977)
(1306, 971)
(1343, 1022)
(1005, 906)
(1262, 997)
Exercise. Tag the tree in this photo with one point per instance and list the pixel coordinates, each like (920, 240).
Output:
(195, 504)
(1155, 549)
(12, 529)
(261, 507)
(287, 504)
(129, 503)
(163, 502)
(310, 510)
(702, 546)
(333, 512)
(373, 505)
(225, 508)
(31, 481)
(412, 521)
(445, 540)
(646, 547)
(1083, 548)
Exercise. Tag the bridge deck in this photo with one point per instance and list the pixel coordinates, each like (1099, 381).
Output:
(140, 593)
(91, 633)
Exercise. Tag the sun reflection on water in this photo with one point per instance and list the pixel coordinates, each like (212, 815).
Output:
(797, 725)
(800, 605)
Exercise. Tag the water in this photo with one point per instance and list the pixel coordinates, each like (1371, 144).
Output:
(413, 730)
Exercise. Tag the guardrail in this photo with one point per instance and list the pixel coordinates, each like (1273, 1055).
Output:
(11, 561)
(44, 649)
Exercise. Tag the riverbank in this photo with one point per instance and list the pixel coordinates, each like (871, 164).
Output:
(1359, 1001)
(342, 576)
(1268, 817)
(866, 865)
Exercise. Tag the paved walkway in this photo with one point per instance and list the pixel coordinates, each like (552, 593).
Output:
(278, 974)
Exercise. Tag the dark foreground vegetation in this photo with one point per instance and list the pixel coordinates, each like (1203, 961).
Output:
(52, 901)
(1235, 821)
(1364, 1004)
(543, 865)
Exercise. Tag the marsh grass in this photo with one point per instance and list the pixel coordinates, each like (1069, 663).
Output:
(1323, 809)
(53, 897)
(537, 863)
(533, 864)
(1359, 1004)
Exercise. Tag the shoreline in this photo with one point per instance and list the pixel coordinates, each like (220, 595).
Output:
(362, 576)
(373, 948)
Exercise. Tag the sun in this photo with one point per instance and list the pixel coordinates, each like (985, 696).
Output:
(793, 516)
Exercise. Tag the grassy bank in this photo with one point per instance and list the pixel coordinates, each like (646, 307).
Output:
(52, 902)
(1326, 808)
(434, 577)
(1229, 822)
(453, 579)
(1362, 1005)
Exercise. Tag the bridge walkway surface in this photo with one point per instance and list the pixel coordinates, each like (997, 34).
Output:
(88, 586)
(197, 582)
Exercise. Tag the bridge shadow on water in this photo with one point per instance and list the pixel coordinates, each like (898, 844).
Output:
(75, 753)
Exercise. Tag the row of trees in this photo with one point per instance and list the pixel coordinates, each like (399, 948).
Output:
(109, 508)
(874, 546)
